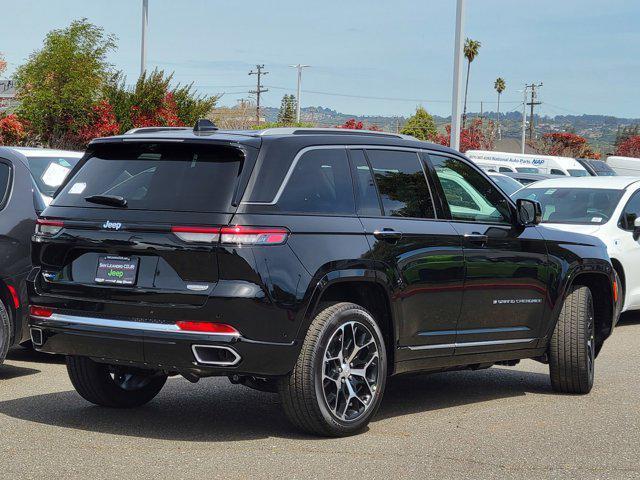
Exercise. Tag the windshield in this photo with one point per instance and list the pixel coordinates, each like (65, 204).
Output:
(507, 184)
(49, 172)
(574, 205)
(144, 176)
(577, 173)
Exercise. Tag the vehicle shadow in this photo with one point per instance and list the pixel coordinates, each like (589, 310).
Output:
(216, 411)
(30, 355)
(629, 318)
(8, 371)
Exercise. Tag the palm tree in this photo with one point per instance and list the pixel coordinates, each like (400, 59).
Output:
(499, 85)
(471, 48)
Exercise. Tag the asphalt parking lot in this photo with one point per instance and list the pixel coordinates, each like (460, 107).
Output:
(504, 422)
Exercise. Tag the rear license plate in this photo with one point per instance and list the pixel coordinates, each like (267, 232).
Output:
(117, 270)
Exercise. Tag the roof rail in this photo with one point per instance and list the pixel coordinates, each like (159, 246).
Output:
(138, 130)
(328, 131)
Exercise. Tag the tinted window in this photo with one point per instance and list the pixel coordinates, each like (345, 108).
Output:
(470, 196)
(401, 183)
(574, 205)
(366, 194)
(320, 183)
(5, 177)
(578, 173)
(555, 171)
(631, 212)
(50, 172)
(174, 177)
(505, 169)
(507, 184)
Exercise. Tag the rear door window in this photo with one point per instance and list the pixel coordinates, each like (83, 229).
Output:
(172, 177)
(401, 183)
(366, 193)
(320, 183)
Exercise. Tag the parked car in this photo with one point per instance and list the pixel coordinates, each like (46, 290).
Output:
(311, 262)
(529, 178)
(625, 165)
(596, 168)
(507, 184)
(505, 162)
(22, 173)
(608, 208)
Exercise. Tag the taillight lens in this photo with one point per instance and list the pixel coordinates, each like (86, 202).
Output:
(48, 227)
(207, 327)
(253, 235)
(197, 234)
(36, 311)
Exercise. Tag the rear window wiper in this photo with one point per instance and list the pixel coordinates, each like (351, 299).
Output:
(111, 200)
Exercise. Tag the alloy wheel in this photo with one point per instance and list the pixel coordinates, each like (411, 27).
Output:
(350, 371)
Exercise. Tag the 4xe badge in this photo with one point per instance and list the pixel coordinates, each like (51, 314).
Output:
(112, 225)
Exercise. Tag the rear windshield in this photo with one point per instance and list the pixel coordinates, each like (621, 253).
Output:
(173, 177)
(50, 172)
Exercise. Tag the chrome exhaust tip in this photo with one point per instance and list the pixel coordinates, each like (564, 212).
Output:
(215, 355)
(37, 336)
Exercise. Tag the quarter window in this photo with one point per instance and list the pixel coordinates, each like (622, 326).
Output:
(401, 183)
(320, 183)
(470, 196)
(5, 179)
(631, 212)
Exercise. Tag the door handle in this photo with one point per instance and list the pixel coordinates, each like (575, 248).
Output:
(476, 238)
(387, 234)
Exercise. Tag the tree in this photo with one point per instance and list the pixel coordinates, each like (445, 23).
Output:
(630, 147)
(353, 124)
(567, 145)
(420, 125)
(287, 114)
(3, 64)
(60, 84)
(153, 102)
(472, 138)
(499, 85)
(471, 49)
(12, 130)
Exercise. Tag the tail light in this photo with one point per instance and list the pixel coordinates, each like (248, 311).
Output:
(253, 235)
(36, 311)
(197, 234)
(207, 327)
(236, 235)
(48, 227)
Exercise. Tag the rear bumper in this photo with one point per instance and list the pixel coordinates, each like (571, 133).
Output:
(160, 346)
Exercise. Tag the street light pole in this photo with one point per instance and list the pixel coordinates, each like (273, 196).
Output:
(299, 67)
(457, 76)
(524, 117)
(143, 50)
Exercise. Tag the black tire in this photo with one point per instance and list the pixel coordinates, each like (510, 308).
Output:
(110, 386)
(572, 346)
(5, 331)
(307, 394)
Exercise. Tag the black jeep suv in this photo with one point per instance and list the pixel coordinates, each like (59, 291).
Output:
(315, 263)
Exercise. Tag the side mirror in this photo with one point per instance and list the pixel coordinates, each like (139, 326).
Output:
(636, 228)
(530, 212)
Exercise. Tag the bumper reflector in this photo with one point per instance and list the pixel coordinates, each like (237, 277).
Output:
(207, 327)
(36, 311)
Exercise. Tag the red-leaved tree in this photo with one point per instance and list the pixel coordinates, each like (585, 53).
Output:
(102, 123)
(352, 124)
(165, 114)
(567, 145)
(471, 138)
(630, 147)
(12, 130)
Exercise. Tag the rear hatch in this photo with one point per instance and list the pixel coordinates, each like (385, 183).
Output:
(137, 223)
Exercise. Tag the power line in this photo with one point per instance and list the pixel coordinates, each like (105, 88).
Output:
(259, 89)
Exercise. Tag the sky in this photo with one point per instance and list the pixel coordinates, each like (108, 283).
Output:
(367, 57)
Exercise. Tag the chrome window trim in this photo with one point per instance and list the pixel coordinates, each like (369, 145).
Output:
(470, 344)
(124, 324)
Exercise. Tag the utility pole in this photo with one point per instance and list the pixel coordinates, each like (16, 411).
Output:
(143, 49)
(259, 90)
(524, 118)
(533, 103)
(299, 67)
(457, 76)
